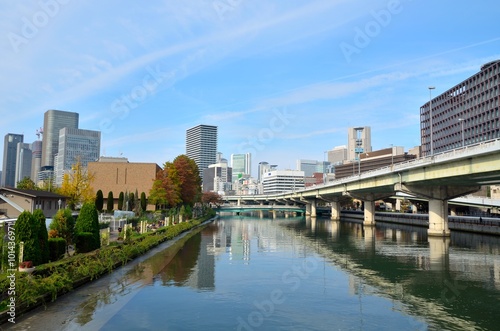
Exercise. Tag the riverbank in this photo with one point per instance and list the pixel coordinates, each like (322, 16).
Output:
(483, 225)
(55, 279)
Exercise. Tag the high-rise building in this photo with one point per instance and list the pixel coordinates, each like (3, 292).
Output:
(76, 145)
(309, 167)
(337, 155)
(241, 164)
(53, 122)
(9, 158)
(23, 162)
(217, 177)
(359, 141)
(201, 145)
(465, 114)
(36, 160)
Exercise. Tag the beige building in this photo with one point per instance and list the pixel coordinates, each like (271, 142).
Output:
(118, 175)
(14, 201)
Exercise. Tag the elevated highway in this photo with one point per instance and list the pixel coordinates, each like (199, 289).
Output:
(437, 178)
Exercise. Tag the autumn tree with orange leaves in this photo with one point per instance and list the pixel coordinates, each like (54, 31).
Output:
(178, 183)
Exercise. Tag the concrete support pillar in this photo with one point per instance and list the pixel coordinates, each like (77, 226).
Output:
(308, 209)
(369, 212)
(438, 203)
(438, 218)
(369, 204)
(313, 208)
(453, 211)
(239, 202)
(335, 210)
(398, 204)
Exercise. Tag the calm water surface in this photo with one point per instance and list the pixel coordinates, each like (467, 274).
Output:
(244, 273)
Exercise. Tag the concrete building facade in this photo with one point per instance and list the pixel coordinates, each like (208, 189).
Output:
(359, 140)
(23, 162)
(279, 181)
(468, 113)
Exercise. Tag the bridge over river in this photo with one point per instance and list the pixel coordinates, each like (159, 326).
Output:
(437, 178)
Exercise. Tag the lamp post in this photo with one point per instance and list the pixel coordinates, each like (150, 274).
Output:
(430, 117)
(461, 120)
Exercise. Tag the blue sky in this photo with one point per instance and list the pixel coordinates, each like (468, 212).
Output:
(281, 79)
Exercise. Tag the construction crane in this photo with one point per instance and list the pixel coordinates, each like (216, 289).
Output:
(39, 132)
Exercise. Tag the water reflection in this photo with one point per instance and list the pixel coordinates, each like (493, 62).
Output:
(328, 274)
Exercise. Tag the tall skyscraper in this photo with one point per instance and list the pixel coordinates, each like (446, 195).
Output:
(9, 158)
(53, 122)
(241, 164)
(201, 145)
(23, 162)
(76, 145)
(359, 141)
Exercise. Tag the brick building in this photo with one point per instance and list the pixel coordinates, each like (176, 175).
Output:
(118, 175)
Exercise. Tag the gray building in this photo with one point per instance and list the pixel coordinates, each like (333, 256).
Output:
(53, 122)
(36, 159)
(9, 158)
(468, 113)
(76, 145)
(23, 162)
(201, 145)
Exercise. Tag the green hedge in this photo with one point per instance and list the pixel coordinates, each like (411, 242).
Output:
(57, 248)
(84, 242)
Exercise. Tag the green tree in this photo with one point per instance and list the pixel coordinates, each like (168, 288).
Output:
(158, 194)
(43, 235)
(131, 201)
(77, 185)
(64, 225)
(26, 184)
(121, 197)
(27, 232)
(99, 200)
(143, 202)
(111, 202)
(88, 221)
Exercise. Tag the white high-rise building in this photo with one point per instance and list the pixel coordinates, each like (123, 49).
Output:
(201, 145)
(76, 145)
(279, 181)
(53, 122)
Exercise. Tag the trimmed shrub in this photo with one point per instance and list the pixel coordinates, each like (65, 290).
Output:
(27, 232)
(88, 221)
(99, 200)
(43, 235)
(110, 203)
(85, 242)
(57, 248)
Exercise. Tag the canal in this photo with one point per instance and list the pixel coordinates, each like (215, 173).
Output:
(249, 273)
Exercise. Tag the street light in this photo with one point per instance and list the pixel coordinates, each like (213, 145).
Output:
(430, 117)
(461, 120)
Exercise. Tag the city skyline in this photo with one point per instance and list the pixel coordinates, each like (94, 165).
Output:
(281, 81)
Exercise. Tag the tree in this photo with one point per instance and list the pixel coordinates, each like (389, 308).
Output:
(88, 221)
(43, 235)
(110, 203)
(131, 201)
(27, 232)
(77, 185)
(157, 194)
(144, 205)
(211, 198)
(26, 184)
(99, 200)
(189, 179)
(121, 197)
(64, 225)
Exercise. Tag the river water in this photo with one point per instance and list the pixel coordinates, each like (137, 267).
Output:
(250, 273)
